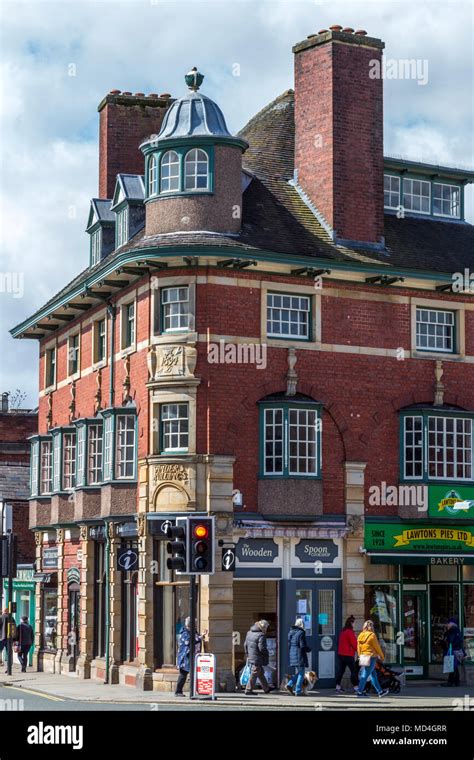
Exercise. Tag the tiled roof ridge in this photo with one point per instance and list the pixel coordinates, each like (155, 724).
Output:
(264, 110)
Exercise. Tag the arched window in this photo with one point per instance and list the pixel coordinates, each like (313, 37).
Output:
(169, 172)
(196, 170)
(152, 175)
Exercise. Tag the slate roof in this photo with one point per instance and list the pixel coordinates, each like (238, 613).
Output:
(276, 218)
(132, 187)
(14, 482)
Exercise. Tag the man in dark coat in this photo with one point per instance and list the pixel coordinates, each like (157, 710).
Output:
(25, 639)
(298, 656)
(255, 647)
(453, 644)
(3, 631)
(184, 649)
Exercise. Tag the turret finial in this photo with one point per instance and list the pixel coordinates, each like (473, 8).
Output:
(194, 79)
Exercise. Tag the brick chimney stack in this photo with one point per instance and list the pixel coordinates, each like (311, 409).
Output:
(125, 121)
(339, 131)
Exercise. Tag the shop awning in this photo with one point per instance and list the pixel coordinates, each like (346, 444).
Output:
(43, 577)
(271, 530)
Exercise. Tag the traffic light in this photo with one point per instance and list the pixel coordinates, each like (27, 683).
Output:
(200, 541)
(177, 546)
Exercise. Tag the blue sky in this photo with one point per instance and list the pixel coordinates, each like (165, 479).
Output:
(49, 163)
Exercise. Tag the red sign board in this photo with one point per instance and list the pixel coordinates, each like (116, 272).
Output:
(205, 675)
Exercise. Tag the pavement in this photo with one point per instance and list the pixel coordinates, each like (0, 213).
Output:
(68, 692)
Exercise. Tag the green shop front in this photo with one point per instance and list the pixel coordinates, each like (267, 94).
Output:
(419, 574)
(24, 588)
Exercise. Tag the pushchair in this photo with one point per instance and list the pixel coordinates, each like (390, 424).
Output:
(388, 679)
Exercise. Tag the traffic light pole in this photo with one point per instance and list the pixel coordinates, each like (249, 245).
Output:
(192, 645)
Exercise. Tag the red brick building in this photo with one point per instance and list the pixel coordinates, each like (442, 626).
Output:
(16, 428)
(275, 328)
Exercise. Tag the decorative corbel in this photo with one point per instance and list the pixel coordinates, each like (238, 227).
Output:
(438, 386)
(152, 361)
(59, 535)
(141, 525)
(83, 532)
(291, 375)
(98, 393)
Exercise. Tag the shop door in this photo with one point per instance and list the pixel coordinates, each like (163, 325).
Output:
(319, 606)
(414, 632)
(73, 622)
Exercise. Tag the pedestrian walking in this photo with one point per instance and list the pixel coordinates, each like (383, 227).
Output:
(183, 657)
(346, 654)
(453, 645)
(255, 647)
(4, 633)
(24, 638)
(368, 649)
(298, 657)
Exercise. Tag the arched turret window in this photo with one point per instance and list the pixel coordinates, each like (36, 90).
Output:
(169, 172)
(196, 170)
(152, 175)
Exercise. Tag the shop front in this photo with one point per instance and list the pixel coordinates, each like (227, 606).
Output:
(418, 576)
(280, 579)
(24, 597)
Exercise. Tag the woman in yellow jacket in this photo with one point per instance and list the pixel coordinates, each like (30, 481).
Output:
(368, 650)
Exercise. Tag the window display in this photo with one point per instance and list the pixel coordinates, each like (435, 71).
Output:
(444, 604)
(381, 606)
(50, 618)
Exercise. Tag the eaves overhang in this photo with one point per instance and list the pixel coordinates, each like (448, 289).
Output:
(79, 299)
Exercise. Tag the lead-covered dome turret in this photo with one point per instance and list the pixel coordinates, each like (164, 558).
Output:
(193, 168)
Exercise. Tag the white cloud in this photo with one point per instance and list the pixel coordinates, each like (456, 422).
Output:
(50, 122)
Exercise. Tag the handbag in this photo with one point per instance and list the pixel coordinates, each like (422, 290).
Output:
(448, 661)
(460, 655)
(245, 674)
(364, 660)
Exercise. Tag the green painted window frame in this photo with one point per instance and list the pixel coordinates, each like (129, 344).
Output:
(305, 339)
(95, 246)
(50, 358)
(130, 330)
(181, 152)
(34, 467)
(133, 476)
(286, 407)
(101, 340)
(73, 350)
(453, 186)
(432, 182)
(71, 430)
(399, 178)
(45, 440)
(122, 225)
(425, 415)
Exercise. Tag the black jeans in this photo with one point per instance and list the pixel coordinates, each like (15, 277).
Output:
(346, 662)
(453, 678)
(183, 674)
(23, 655)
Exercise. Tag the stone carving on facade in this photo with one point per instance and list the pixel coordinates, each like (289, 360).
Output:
(59, 535)
(83, 532)
(171, 361)
(72, 403)
(438, 386)
(49, 414)
(38, 538)
(126, 381)
(170, 472)
(291, 375)
(355, 523)
(111, 530)
(98, 393)
(141, 525)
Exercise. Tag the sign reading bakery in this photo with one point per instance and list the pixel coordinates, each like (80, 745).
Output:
(453, 503)
(405, 537)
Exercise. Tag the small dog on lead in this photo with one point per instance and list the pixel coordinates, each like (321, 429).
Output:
(309, 682)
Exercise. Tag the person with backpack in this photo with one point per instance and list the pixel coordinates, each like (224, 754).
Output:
(298, 656)
(369, 649)
(25, 640)
(453, 644)
(346, 653)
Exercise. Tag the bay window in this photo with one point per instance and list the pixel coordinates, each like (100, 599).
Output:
(46, 466)
(69, 460)
(94, 474)
(290, 439)
(437, 447)
(125, 446)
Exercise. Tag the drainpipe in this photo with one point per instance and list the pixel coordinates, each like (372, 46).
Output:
(107, 603)
(111, 311)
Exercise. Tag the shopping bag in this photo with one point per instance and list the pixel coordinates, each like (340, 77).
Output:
(245, 675)
(448, 663)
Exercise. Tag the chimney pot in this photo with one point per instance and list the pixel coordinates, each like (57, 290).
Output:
(114, 92)
(361, 33)
(126, 93)
(323, 31)
(166, 95)
(153, 95)
(335, 28)
(348, 30)
(139, 94)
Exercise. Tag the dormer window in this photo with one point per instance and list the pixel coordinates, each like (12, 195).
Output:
(446, 200)
(122, 226)
(96, 246)
(170, 172)
(416, 195)
(196, 170)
